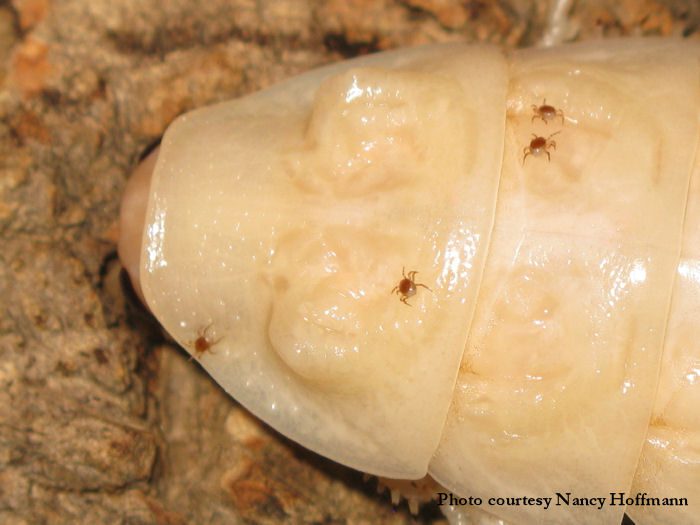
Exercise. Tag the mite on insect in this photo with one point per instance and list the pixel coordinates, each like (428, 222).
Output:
(408, 286)
(539, 145)
(545, 112)
(203, 344)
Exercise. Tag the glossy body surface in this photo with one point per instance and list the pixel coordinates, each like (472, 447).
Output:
(290, 255)
(552, 295)
(561, 363)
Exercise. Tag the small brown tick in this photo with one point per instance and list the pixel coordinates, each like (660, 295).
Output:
(407, 287)
(203, 344)
(545, 112)
(539, 145)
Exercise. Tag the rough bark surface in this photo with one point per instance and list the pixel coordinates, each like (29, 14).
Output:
(102, 421)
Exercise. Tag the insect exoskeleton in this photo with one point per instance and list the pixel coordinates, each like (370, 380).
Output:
(539, 145)
(408, 286)
(546, 112)
(203, 343)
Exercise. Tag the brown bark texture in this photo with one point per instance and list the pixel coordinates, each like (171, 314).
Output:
(102, 420)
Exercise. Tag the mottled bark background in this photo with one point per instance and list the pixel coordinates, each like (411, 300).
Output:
(101, 420)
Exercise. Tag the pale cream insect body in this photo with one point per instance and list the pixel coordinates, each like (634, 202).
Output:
(562, 293)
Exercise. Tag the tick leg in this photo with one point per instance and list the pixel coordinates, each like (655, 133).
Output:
(207, 351)
(424, 286)
(527, 152)
(549, 157)
(553, 144)
(396, 289)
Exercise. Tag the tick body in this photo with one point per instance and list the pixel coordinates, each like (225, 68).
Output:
(407, 286)
(545, 113)
(539, 145)
(203, 343)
